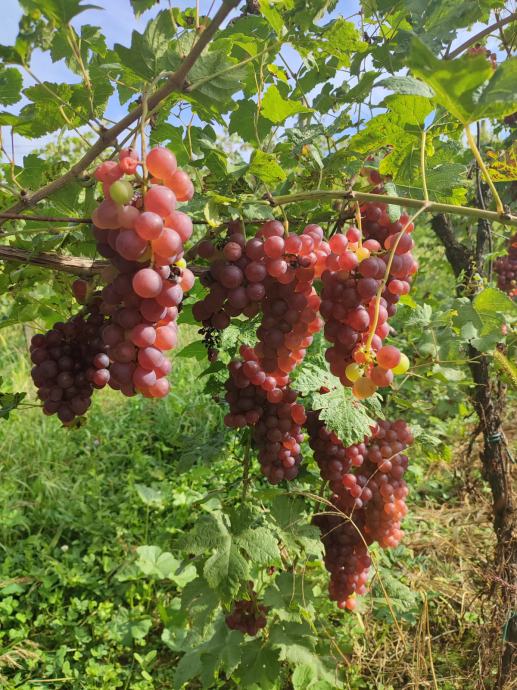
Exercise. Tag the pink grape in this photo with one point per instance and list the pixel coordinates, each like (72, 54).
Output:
(105, 215)
(181, 184)
(127, 216)
(149, 225)
(143, 335)
(166, 338)
(149, 357)
(161, 162)
(130, 245)
(160, 388)
(147, 283)
(143, 378)
(168, 243)
(160, 199)
(181, 223)
(388, 357)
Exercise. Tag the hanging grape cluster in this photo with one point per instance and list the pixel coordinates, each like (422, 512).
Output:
(70, 362)
(133, 320)
(367, 501)
(506, 269)
(273, 274)
(247, 615)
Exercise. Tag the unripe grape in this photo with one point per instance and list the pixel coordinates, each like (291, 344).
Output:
(121, 192)
(363, 388)
(353, 372)
(362, 253)
(402, 366)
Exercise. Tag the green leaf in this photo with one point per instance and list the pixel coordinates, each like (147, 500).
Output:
(11, 83)
(149, 496)
(148, 54)
(260, 545)
(226, 568)
(456, 83)
(302, 677)
(499, 98)
(260, 666)
(61, 11)
(9, 402)
(195, 350)
(274, 17)
(340, 39)
(214, 79)
(266, 168)
(490, 301)
(189, 666)
(277, 109)
(341, 412)
(242, 122)
(408, 86)
(140, 6)
(153, 561)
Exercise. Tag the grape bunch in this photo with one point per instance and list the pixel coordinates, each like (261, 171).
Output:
(368, 499)
(70, 362)
(275, 416)
(142, 235)
(361, 286)
(506, 269)
(241, 271)
(247, 615)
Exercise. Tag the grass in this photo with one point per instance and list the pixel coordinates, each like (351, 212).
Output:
(76, 504)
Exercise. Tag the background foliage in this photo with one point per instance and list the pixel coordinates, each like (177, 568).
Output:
(125, 541)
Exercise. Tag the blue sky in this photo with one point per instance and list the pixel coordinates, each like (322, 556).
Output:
(117, 21)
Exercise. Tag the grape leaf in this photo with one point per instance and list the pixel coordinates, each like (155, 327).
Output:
(467, 87)
(214, 79)
(340, 39)
(277, 109)
(10, 85)
(341, 412)
(259, 667)
(60, 11)
(140, 6)
(266, 168)
(273, 17)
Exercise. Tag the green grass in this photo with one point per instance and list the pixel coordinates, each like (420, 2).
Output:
(75, 504)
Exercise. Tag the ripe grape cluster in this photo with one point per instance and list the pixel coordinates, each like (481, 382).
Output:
(70, 362)
(247, 615)
(506, 269)
(132, 322)
(368, 499)
(274, 414)
(142, 235)
(360, 292)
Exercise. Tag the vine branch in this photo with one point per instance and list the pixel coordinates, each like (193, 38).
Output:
(429, 206)
(74, 265)
(176, 82)
(477, 37)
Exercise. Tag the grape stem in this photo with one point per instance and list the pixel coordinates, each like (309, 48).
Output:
(428, 206)
(479, 159)
(380, 289)
(422, 165)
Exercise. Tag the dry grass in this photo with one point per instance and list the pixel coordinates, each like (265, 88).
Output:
(457, 642)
